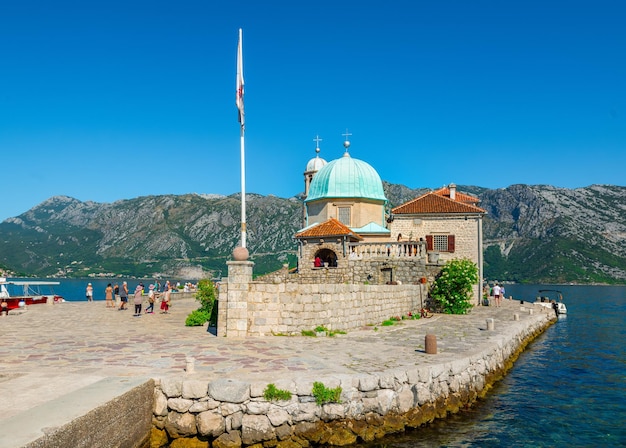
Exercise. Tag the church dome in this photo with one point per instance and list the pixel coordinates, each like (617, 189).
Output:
(346, 178)
(315, 164)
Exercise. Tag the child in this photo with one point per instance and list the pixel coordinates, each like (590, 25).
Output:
(165, 301)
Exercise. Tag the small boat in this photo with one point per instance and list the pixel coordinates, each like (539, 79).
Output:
(17, 294)
(552, 298)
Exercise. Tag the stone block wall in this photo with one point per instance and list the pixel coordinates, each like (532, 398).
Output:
(289, 303)
(466, 233)
(230, 413)
(289, 308)
(113, 412)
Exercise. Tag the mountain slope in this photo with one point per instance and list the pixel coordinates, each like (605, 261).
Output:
(531, 233)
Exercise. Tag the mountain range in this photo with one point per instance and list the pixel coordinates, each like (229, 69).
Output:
(532, 233)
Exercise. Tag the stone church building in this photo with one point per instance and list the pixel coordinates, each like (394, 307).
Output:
(359, 261)
(348, 226)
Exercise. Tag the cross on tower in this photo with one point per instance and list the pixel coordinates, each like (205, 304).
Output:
(317, 141)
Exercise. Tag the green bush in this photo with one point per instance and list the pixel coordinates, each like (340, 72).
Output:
(452, 289)
(206, 295)
(197, 318)
(272, 393)
(324, 395)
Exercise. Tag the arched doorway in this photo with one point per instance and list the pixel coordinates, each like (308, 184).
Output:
(328, 257)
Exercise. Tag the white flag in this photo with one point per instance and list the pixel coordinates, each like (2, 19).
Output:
(239, 100)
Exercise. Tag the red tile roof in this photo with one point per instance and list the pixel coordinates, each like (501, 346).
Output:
(433, 203)
(330, 227)
(461, 197)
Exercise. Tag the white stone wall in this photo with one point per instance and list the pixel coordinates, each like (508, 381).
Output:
(289, 308)
(467, 234)
(235, 413)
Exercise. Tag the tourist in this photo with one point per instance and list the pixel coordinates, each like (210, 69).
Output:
(5, 308)
(123, 296)
(486, 294)
(502, 292)
(151, 298)
(318, 262)
(89, 293)
(108, 296)
(165, 300)
(496, 294)
(138, 299)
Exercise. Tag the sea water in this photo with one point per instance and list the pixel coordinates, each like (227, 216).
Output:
(74, 289)
(567, 389)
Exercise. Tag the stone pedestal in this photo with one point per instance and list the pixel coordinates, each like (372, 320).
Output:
(234, 309)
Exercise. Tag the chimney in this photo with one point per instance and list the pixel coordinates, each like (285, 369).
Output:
(452, 188)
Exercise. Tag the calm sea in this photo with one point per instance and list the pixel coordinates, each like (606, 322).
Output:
(568, 388)
(74, 289)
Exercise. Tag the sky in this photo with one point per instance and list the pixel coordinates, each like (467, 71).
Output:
(110, 100)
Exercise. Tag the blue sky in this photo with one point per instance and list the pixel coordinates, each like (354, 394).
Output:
(109, 100)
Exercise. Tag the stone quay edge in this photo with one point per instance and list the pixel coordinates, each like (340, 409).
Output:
(208, 391)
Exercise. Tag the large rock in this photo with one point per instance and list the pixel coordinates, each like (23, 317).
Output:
(278, 416)
(229, 390)
(180, 425)
(179, 404)
(228, 440)
(172, 387)
(194, 389)
(210, 424)
(405, 400)
(191, 442)
(256, 429)
(158, 438)
(342, 437)
(160, 403)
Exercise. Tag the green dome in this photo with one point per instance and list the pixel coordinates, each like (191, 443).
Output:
(346, 178)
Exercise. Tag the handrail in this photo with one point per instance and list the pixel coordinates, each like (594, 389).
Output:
(400, 249)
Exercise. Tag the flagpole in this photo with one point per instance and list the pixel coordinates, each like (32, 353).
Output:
(243, 189)
(239, 103)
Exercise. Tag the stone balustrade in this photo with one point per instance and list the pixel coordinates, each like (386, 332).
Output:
(401, 249)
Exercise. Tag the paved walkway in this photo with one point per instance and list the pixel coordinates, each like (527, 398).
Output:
(51, 350)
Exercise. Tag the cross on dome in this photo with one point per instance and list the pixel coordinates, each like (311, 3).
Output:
(317, 141)
(346, 143)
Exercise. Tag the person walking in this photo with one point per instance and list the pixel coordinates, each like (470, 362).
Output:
(496, 294)
(151, 299)
(138, 299)
(165, 301)
(108, 296)
(123, 296)
(89, 293)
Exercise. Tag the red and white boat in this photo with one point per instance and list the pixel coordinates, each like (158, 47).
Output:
(21, 293)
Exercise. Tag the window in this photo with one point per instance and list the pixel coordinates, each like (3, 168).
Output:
(344, 215)
(440, 243)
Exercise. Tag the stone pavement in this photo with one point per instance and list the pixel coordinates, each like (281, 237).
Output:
(51, 350)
